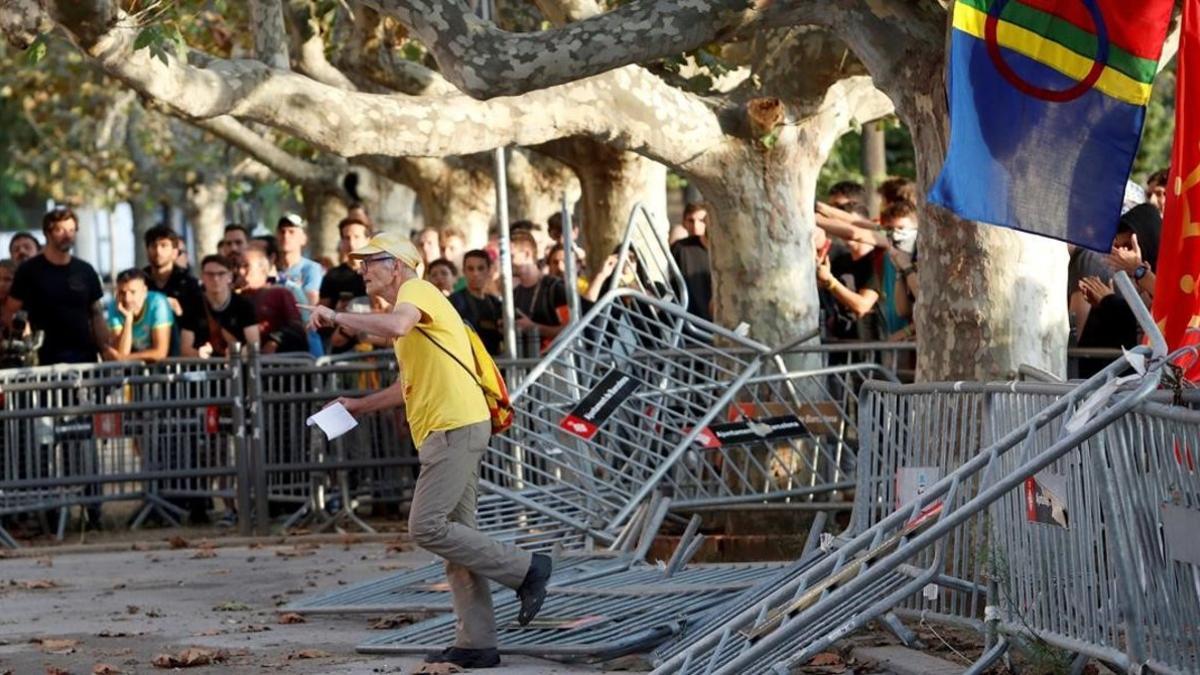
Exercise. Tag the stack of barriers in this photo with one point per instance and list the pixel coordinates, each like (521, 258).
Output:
(1076, 560)
(638, 397)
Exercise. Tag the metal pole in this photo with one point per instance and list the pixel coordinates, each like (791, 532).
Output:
(568, 243)
(486, 12)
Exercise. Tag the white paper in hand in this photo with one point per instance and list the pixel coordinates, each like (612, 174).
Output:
(334, 420)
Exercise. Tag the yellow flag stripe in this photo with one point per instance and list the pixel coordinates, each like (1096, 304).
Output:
(1112, 82)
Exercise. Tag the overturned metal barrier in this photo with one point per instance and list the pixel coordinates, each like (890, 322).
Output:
(595, 618)
(1096, 555)
(881, 567)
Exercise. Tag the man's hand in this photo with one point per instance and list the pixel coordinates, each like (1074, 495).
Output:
(205, 351)
(354, 406)
(319, 316)
(524, 323)
(1127, 259)
(176, 308)
(824, 275)
(125, 312)
(1095, 290)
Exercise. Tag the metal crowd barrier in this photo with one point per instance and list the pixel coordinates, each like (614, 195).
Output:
(303, 473)
(169, 435)
(877, 569)
(632, 398)
(594, 618)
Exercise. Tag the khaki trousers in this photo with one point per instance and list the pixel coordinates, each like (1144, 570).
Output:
(442, 521)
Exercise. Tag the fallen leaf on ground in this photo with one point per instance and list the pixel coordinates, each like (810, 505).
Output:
(132, 609)
(349, 540)
(826, 659)
(56, 646)
(188, 658)
(256, 628)
(309, 654)
(210, 632)
(291, 617)
(118, 586)
(177, 542)
(108, 633)
(389, 567)
(396, 547)
(232, 606)
(105, 669)
(45, 562)
(204, 553)
(293, 553)
(55, 670)
(37, 584)
(438, 668)
(393, 621)
(140, 546)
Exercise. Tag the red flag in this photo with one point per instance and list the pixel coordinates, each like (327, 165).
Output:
(1177, 289)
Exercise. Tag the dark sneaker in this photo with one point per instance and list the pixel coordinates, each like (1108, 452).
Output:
(228, 520)
(466, 658)
(533, 589)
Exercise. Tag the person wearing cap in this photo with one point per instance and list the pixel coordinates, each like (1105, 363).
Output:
(295, 268)
(451, 426)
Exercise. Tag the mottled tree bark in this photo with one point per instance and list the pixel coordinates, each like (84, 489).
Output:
(323, 209)
(536, 185)
(205, 210)
(612, 182)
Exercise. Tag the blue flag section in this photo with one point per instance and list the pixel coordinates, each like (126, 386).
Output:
(1046, 113)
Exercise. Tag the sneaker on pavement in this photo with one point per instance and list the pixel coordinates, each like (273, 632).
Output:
(228, 520)
(532, 591)
(466, 658)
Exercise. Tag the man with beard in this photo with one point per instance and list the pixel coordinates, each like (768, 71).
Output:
(61, 295)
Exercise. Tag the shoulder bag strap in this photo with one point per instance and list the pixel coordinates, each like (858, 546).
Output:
(478, 382)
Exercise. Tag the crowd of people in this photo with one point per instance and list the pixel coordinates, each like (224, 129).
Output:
(253, 289)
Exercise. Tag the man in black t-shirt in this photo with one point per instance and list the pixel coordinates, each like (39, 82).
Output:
(226, 318)
(343, 283)
(61, 295)
(477, 307)
(854, 279)
(691, 255)
(181, 288)
(540, 300)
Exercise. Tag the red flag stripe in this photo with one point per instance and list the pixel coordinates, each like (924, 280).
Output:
(1177, 289)
(1133, 26)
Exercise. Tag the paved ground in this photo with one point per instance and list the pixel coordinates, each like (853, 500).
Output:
(126, 607)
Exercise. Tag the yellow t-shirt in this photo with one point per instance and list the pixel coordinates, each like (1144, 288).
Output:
(439, 393)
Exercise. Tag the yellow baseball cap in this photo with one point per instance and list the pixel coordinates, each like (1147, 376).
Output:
(392, 244)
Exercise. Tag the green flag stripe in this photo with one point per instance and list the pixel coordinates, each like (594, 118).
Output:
(1072, 37)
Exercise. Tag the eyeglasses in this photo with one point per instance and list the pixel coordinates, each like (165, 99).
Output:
(378, 258)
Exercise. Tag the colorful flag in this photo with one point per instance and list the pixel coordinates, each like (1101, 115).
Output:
(1047, 101)
(1176, 289)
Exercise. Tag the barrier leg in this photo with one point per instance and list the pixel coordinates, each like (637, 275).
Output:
(6, 539)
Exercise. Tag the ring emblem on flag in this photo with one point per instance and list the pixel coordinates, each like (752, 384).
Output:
(991, 30)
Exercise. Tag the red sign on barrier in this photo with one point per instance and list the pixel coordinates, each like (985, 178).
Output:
(107, 425)
(212, 419)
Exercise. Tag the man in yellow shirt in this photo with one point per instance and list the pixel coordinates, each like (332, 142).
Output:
(450, 426)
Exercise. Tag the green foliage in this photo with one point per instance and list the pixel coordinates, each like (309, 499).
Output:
(161, 40)
(1155, 150)
(845, 161)
(36, 51)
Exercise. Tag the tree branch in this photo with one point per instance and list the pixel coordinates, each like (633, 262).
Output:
(663, 123)
(270, 33)
(286, 165)
(486, 62)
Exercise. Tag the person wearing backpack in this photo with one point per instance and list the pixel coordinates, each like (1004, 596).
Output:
(452, 409)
